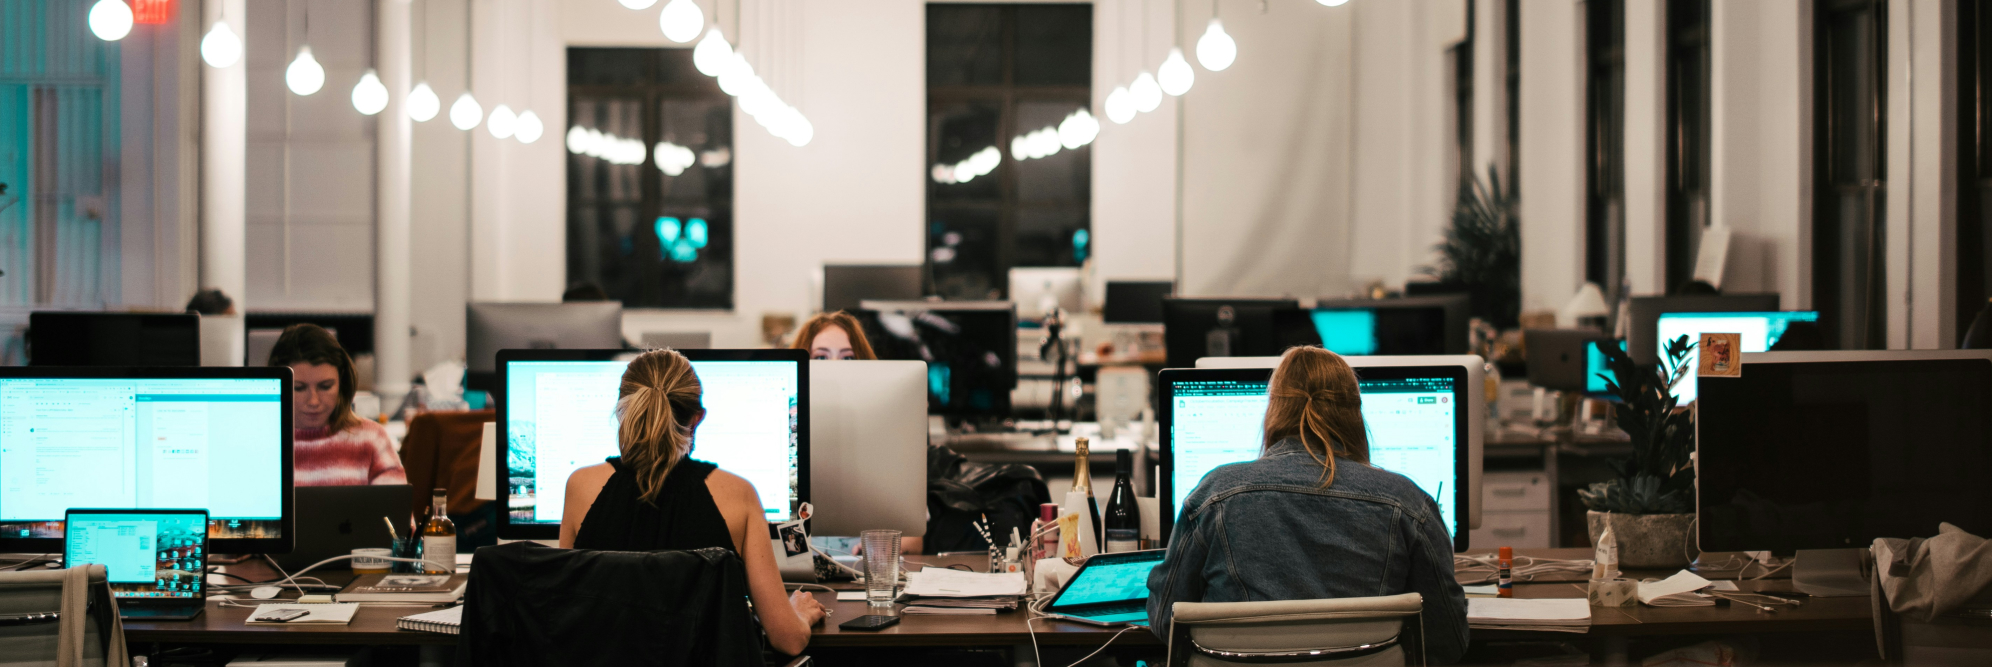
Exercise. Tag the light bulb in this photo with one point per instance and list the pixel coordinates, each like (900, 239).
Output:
(711, 54)
(221, 48)
(638, 4)
(1332, 3)
(530, 128)
(502, 122)
(304, 76)
(800, 135)
(1120, 109)
(423, 103)
(681, 21)
(1078, 129)
(1176, 75)
(734, 76)
(466, 113)
(110, 20)
(369, 96)
(1215, 49)
(1147, 95)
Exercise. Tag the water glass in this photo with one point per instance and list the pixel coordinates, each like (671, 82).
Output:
(881, 566)
(408, 547)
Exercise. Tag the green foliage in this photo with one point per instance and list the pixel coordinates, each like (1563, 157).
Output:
(1657, 478)
(1483, 249)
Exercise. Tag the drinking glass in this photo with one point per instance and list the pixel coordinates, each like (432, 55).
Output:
(881, 566)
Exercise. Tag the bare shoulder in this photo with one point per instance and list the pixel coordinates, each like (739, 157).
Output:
(591, 476)
(727, 485)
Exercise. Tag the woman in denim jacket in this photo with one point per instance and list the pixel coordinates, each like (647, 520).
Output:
(1300, 523)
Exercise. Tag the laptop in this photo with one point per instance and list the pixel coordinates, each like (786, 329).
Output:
(156, 560)
(1110, 589)
(335, 520)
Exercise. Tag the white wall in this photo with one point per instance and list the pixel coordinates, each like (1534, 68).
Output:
(1922, 140)
(1552, 152)
(1646, 146)
(1134, 211)
(1761, 138)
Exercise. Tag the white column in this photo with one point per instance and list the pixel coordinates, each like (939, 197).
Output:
(224, 168)
(1646, 146)
(392, 154)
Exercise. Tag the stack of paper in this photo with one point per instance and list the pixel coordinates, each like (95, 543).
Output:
(962, 606)
(1676, 591)
(938, 582)
(1542, 615)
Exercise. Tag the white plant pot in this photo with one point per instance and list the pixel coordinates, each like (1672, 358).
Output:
(1648, 541)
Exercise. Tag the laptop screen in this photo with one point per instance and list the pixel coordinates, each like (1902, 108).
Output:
(144, 554)
(1110, 579)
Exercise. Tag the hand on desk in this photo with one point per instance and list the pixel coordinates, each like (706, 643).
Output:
(807, 607)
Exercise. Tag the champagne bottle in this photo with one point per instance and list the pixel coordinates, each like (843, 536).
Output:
(1082, 480)
(439, 535)
(1123, 519)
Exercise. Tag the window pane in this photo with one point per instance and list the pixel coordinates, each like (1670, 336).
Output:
(1052, 237)
(966, 152)
(962, 247)
(1055, 45)
(1063, 176)
(964, 45)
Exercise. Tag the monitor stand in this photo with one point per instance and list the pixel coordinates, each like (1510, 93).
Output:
(1829, 573)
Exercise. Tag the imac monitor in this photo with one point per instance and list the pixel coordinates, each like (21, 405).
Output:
(970, 348)
(847, 285)
(1037, 290)
(868, 446)
(1218, 327)
(154, 560)
(1416, 325)
(1759, 330)
(560, 416)
(217, 439)
(1418, 427)
(1645, 312)
(1830, 450)
(63, 338)
(491, 327)
(1135, 302)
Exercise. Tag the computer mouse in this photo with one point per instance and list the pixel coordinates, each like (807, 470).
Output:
(265, 592)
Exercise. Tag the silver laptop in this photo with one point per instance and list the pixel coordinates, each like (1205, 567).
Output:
(156, 560)
(1110, 589)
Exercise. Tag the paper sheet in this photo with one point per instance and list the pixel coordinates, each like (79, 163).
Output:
(940, 582)
(1675, 591)
(1514, 611)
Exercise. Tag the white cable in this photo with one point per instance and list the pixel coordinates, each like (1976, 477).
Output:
(289, 578)
(1103, 647)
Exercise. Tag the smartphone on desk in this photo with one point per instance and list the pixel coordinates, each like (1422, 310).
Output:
(870, 622)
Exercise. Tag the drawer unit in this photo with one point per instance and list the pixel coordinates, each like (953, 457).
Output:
(1522, 530)
(1515, 491)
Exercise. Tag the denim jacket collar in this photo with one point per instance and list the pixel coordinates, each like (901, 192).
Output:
(1284, 446)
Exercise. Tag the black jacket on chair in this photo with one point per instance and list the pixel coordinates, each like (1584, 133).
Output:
(528, 604)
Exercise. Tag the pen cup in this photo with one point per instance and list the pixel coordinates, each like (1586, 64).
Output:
(371, 561)
(407, 547)
(881, 566)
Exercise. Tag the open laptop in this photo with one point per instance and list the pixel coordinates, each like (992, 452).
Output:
(1110, 589)
(156, 560)
(335, 520)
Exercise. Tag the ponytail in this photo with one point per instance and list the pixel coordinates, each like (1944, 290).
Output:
(658, 407)
(1314, 397)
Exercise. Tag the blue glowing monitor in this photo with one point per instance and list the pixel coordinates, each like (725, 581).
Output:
(1347, 331)
(1759, 330)
(1595, 369)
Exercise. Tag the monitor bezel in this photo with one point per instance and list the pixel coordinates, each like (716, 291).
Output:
(287, 521)
(1462, 454)
(207, 550)
(551, 531)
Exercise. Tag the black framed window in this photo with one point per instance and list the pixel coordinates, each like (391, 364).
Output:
(1512, 25)
(998, 77)
(649, 178)
(1460, 59)
(1974, 163)
(1604, 174)
(1848, 236)
(1687, 136)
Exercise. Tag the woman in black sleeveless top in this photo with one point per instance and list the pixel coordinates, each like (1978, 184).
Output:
(655, 497)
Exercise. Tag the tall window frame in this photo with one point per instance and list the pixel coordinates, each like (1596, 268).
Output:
(1849, 237)
(1604, 173)
(1688, 137)
(1974, 162)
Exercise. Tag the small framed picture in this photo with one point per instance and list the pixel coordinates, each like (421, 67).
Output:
(794, 541)
(1721, 355)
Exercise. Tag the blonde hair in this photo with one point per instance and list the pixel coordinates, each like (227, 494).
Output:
(658, 407)
(861, 349)
(1313, 396)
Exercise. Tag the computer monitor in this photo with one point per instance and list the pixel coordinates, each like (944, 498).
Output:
(1830, 450)
(868, 446)
(970, 348)
(355, 331)
(847, 285)
(217, 439)
(1419, 420)
(560, 416)
(149, 556)
(1645, 311)
(1135, 302)
(66, 338)
(1035, 288)
(1560, 359)
(490, 327)
(1226, 327)
(1412, 325)
(1759, 332)
(1598, 370)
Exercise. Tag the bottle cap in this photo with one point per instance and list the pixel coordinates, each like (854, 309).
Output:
(1507, 553)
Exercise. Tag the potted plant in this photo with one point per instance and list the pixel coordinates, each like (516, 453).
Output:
(1650, 505)
(1482, 252)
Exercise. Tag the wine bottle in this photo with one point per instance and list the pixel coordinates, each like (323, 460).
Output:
(1082, 480)
(1123, 518)
(439, 535)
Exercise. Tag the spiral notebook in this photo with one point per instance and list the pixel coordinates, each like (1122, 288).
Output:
(445, 621)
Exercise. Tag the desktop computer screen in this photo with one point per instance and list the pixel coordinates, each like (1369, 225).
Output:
(1214, 417)
(1760, 331)
(217, 439)
(970, 348)
(1411, 325)
(1135, 302)
(1194, 328)
(63, 338)
(1596, 371)
(1645, 312)
(845, 286)
(560, 416)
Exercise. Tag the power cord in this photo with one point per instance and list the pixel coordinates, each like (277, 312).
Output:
(1523, 568)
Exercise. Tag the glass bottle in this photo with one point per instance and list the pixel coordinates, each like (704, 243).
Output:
(1123, 518)
(439, 534)
(1082, 480)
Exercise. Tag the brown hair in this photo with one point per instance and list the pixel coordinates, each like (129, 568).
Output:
(860, 347)
(311, 344)
(658, 405)
(1314, 396)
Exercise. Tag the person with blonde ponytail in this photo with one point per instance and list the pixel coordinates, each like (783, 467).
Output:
(655, 497)
(1311, 518)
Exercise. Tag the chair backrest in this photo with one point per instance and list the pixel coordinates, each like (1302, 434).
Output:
(440, 451)
(32, 623)
(1342, 631)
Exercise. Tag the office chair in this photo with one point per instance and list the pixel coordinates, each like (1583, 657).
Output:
(1921, 634)
(440, 451)
(64, 618)
(1346, 631)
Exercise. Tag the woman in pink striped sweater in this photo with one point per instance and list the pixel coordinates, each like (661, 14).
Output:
(333, 446)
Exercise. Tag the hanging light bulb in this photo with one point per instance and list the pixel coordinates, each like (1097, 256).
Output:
(734, 75)
(110, 20)
(1332, 3)
(638, 4)
(1145, 93)
(221, 48)
(304, 76)
(712, 53)
(681, 21)
(369, 96)
(1176, 75)
(502, 122)
(1215, 49)
(1078, 129)
(423, 103)
(466, 113)
(530, 127)
(1120, 108)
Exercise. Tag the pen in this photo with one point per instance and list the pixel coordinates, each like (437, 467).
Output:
(391, 533)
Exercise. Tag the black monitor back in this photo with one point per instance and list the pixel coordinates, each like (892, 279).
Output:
(60, 338)
(970, 349)
(1262, 327)
(846, 286)
(1415, 325)
(1641, 336)
(1135, 302)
